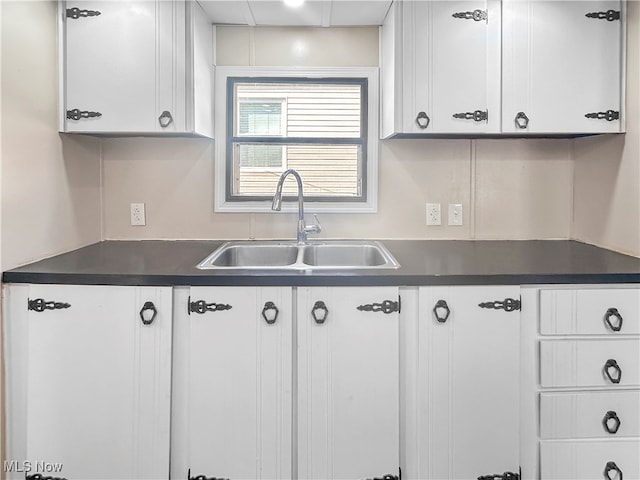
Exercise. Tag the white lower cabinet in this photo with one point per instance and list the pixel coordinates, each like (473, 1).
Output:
(88, 375)
(232, 385)
(579, 394)
(259, 395)
(348, 381)
(461, 381)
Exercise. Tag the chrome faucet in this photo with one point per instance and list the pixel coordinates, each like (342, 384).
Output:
(303, 229)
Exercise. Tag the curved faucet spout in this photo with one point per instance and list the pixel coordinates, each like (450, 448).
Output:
(276, 205)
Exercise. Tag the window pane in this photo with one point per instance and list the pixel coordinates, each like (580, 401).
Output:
(265, 156)
(326, 170)
(312, 109)
(259, 117)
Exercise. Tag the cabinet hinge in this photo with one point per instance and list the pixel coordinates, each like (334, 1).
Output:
(476, 115)
(609, 115)
(38, 476)
(77, 114)
(476, 15)
(76, 13)
(609, 15)
(508, 304)
(203, 477)
(40, 305)
(504, 476)
(200, 307)
(387, 306)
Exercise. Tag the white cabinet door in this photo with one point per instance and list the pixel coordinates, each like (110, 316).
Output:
(441, 64)
(348, 380)
(98, 381)
(467, 377)
(562, 65)
(114, 67)
(233, 384)
(136, 67)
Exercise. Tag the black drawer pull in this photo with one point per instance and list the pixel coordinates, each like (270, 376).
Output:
(613, 312)
(146, 317)
(612, 467)
(319, 306)
(270, 313)
(611, 422)
(441, 311)
(608, 366)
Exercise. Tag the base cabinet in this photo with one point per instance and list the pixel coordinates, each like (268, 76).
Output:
(579, 395)
(348, 380)
(462, 384)
(88, 381)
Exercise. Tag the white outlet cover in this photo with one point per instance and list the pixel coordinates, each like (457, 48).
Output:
(138, 217)
(433, 214)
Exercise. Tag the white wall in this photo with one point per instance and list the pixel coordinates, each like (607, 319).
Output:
(607, 168)
(50, 183)
(513, 189)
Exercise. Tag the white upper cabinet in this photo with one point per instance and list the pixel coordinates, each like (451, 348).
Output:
(441, 67)
(140, 67)
(562, 66)
(516, 66)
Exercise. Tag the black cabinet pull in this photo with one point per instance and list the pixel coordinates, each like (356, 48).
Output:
(270, 313)
(612, 467)
(200, 307)
(321, 317)
(147, 319)
(165, 119)
(387, 306)
(613, 312)
(441, 311)
(612, 364)
(40, 305)
(522, 121)
(423, 120)
(508, 304)
(476, 116)
(608, 417)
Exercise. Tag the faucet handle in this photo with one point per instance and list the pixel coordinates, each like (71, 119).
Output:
(317, 228)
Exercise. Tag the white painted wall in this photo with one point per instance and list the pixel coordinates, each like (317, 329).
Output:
(50, 183)
(509, 189)
(607, 168)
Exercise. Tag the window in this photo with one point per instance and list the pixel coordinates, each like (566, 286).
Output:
(317, 125)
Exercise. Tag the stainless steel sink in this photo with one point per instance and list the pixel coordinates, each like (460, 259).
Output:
(329, 254)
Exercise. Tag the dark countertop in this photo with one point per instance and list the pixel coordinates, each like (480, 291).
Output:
(423, 262)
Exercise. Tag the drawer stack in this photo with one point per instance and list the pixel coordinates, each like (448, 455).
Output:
(589, 351)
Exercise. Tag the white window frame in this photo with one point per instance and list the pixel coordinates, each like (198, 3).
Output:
(220, 115)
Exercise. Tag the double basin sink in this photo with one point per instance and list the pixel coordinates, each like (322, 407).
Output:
(290, 255)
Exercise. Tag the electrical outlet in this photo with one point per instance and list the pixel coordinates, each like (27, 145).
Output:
(455, 214)
(433, 214)
(137, 214)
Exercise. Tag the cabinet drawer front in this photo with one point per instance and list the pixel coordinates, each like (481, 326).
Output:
(585, 363)
(590, 312)
(589, 460)
(582, 414)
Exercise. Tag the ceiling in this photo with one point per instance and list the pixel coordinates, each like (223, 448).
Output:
(312, 13)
